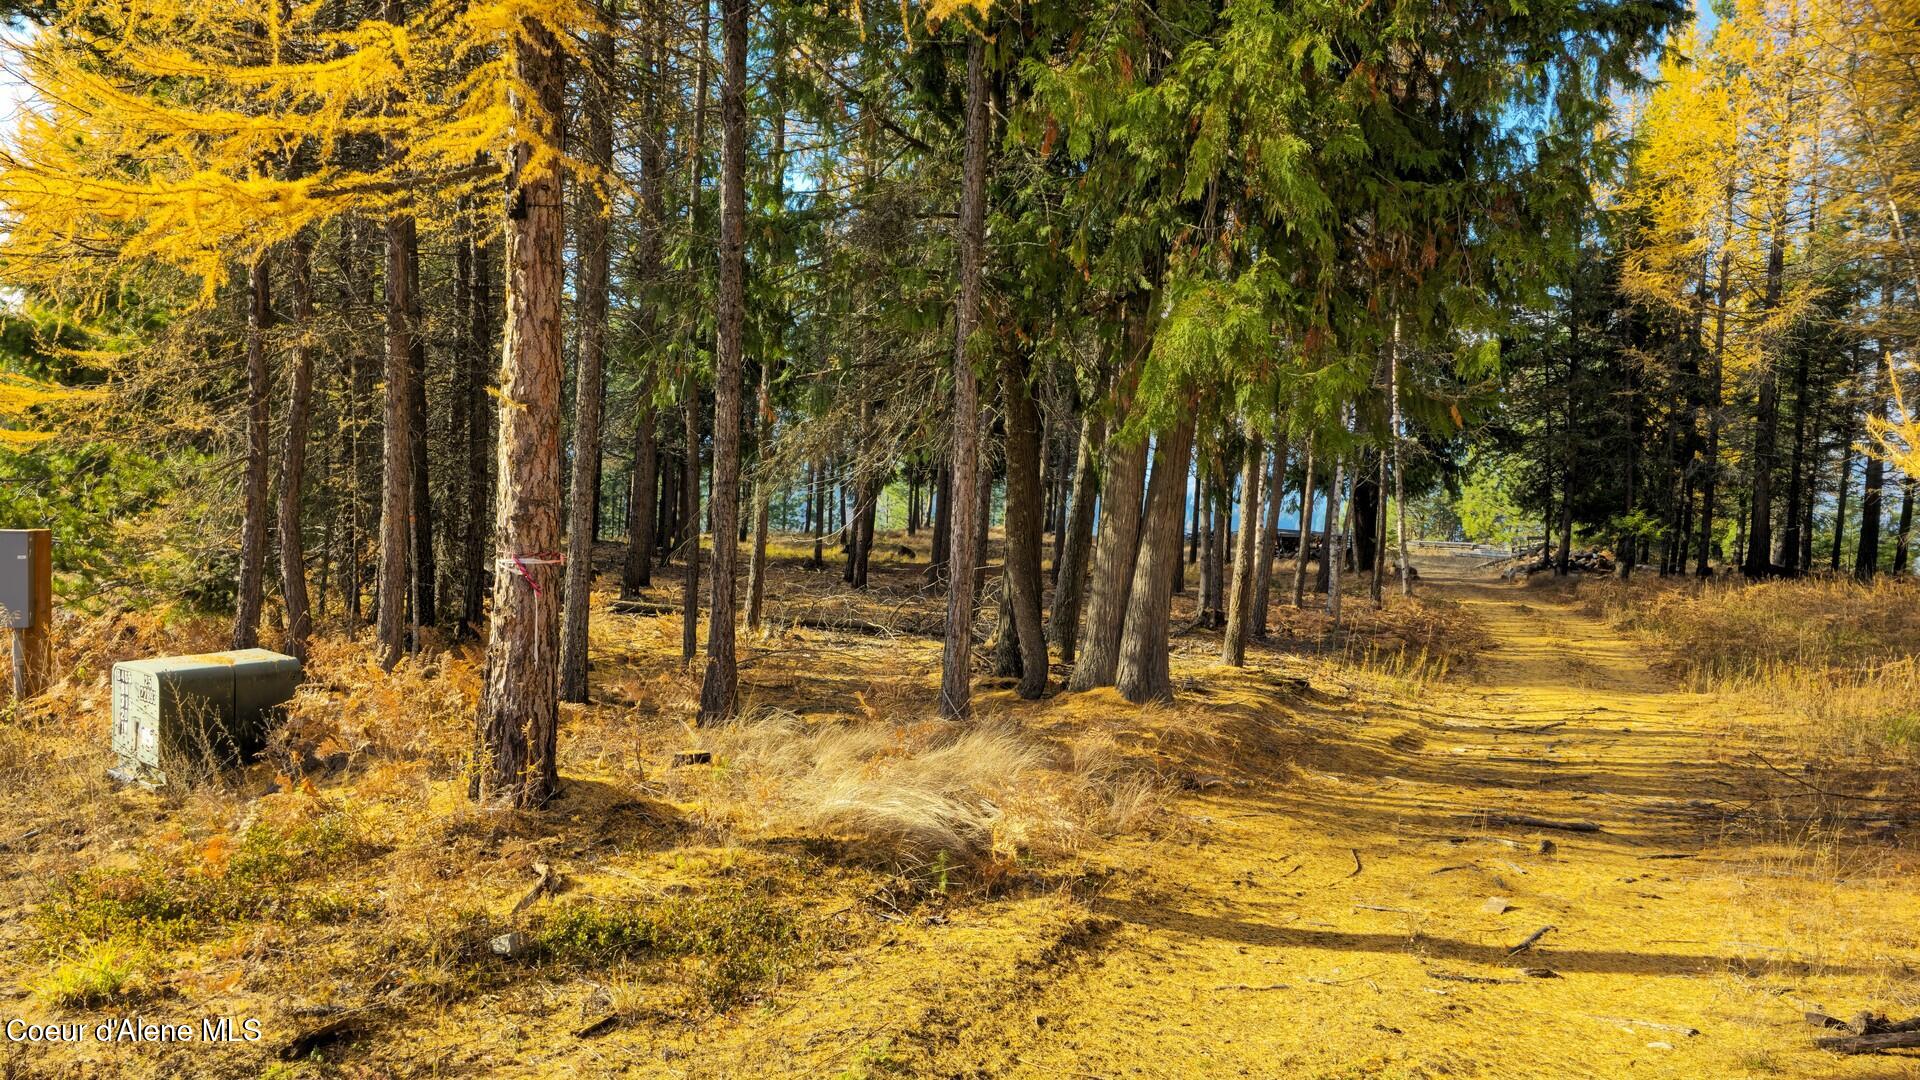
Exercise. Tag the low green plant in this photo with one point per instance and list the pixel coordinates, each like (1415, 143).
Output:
(188, 893)
(737, 938)
(101, 973)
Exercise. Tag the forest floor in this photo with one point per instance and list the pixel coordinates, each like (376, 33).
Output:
(1347, 903)
(1550, 863)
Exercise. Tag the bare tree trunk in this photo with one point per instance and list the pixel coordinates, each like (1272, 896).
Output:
(1305, 530)
(942, 525)
(718, 688)
(1240, 614)
(1269, 536)
(1399, 474)
(648, 254)
(690, 519)
(1117, 548)
(519, 712)
(1903, 537)
(396, 479)
(589, 382)
(1866, 562)
(637, 572)
(762, 481)
(293, 553)
(480, 441)
(424, 606)
(1063, 626)
(253, 525)
(1144, 672)
(1335, 543)
(1759, 560)
(1022, 563)
(956, 659)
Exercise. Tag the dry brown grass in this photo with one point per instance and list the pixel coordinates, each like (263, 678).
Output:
(1825, 659)
(973, 791)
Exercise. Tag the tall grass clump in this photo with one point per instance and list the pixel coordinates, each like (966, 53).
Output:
(922, 788)
(1831, 655)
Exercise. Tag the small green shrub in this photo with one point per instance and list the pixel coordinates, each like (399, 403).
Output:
(737, 939)
(189, 893)
(101, 974)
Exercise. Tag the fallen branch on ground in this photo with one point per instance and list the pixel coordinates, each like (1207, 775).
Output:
(1528, 821)
(1532, 939)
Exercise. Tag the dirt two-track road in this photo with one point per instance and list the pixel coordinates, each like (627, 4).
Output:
(1555, 864)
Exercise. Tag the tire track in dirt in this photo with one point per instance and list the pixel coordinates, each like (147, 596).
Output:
(1357, 917)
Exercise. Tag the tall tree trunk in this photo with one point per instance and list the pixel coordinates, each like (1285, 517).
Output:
(1759, 561)
(1118, 545)
(1335, 542)
(1379, 562)
(589, 380)
(396, 477)
(1269, 535)
(293, 553)
(637, 572)
(860, 553)
(1240, 614)
(1903, 538)
(253, 524)
(424, 606)
(763, 409)
(1144, 673)
(519, 711)
(942, 525)
(1840, 506)
(1866, 562)
(356, 393)
(1797, 468)
(1306, 528)
(1063, 626)
(1216, 560)
(690, 519)
(1024, 496)
(956, 658)
(730, 321)
(819, 484)
(1396, 432)
(1716, 378)
(478, 488)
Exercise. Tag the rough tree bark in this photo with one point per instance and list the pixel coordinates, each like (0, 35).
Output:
(956, 658)
(589, 382)
(1759, 554)
(425, 603)
(1022, 563)
(1063, 627)
(690, 519)
(1335, 542)
(1144, 673)
(293, 460)
(478, 487)
(642, 489)
(1117, 547)
(721, 683)
(253, 523)
(763, 410)
(1903, 535)
(1245, 547)
(1269, 535)
(519, 710)
(1399, 476)
(1866, 562)
(396, 473)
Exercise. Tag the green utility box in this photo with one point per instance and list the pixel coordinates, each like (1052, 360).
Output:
(191, 714)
